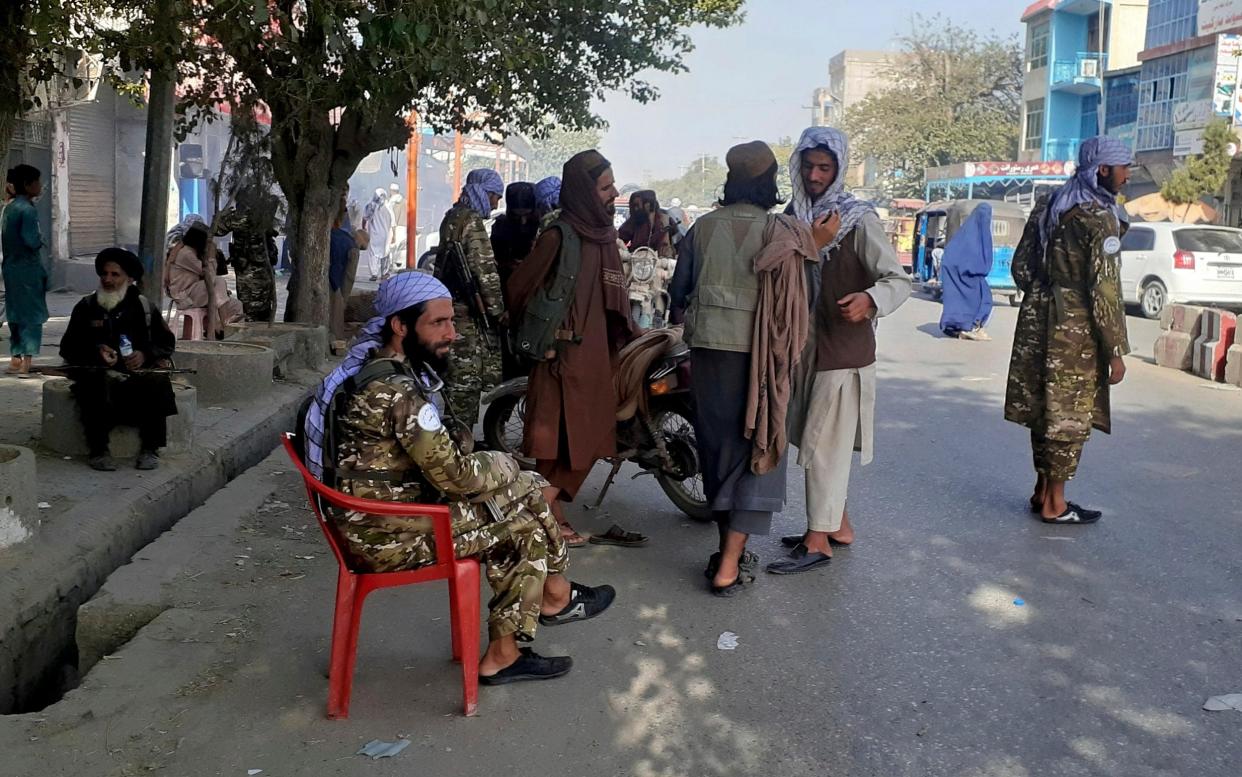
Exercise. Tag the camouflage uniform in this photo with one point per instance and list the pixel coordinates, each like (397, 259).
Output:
(474, 365)
(1071, 324)
(251, 257)
(499, 514)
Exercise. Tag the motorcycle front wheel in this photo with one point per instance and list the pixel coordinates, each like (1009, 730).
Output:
(687, 493)
(504, 426)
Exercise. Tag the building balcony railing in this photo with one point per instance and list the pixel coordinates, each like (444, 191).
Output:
(1061, 149)
(1081, 75)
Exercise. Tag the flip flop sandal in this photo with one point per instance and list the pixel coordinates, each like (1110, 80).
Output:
(1075, 514)
(618, 536)
(573, 539)
(743, 581)
(747, 562)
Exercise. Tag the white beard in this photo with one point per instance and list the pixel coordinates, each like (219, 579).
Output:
(109, 299)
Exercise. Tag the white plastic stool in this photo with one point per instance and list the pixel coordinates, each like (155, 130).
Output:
(191, 323)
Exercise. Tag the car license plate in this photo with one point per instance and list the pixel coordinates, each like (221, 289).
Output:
(1226, 273)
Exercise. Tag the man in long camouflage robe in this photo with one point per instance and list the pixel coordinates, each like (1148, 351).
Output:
(1071, 332)
(392, 444)
(476, 356)
(252, 253)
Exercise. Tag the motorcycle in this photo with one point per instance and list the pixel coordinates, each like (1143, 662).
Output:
(661, 441)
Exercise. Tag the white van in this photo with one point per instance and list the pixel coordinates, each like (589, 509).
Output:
(1163, 262)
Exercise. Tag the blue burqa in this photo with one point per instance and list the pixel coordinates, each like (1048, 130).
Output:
(964, 272)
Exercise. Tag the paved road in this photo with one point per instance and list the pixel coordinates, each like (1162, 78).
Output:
(906, 657)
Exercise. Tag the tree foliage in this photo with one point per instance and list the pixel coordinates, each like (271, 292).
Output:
(339, 77)
(1202, 175)
(954, 96)
(549, 153)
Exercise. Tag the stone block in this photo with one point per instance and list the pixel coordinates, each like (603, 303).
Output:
(1212, 345)
(62, 423)
(307, 349)
(19, 505)
(1175, 350)
(1233, 365)
(1182, 318)
(360, 306)
(226, 373)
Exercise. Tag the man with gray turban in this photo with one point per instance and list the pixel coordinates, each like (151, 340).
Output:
(379, 429)
(859, 280)
(1071, 333)
(478, 301)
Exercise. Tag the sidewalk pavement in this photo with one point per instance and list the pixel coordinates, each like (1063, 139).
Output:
(91, 522)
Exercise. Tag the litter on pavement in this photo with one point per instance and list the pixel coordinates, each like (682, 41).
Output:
(1229, 701)
(376, 749)
(726, 641)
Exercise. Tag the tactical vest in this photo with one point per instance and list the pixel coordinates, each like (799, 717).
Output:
(721, 310)
(540, 328)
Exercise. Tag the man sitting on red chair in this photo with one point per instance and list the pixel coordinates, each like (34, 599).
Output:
(379, 429)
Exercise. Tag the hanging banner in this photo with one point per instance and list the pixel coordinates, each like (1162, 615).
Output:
(1227, 48)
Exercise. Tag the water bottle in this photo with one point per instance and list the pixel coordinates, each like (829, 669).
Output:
(127, 348)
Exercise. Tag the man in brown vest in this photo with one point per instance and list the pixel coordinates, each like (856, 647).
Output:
(859, 280)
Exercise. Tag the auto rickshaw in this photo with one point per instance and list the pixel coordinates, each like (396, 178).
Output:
(935, 226)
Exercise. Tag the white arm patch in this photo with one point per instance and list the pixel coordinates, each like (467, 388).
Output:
(429, 419)
(1112, 244)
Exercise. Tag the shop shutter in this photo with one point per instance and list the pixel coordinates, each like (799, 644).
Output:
(92, 175)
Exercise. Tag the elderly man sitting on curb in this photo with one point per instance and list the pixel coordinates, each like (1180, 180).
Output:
(379, 428)
(114, 334)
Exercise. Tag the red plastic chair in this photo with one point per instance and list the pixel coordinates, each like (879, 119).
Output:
(352, 588)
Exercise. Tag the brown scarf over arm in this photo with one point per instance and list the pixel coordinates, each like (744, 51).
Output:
(782, 322)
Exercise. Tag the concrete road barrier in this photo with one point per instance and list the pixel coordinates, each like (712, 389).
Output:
(1175, 350)
(1182, 318)
(62, 430)
(1212, 345)
(227, 373)
(19, 504)
(1233, 365)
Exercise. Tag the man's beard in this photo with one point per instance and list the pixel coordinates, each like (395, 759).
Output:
(640, 217)
(610, 208)
(418, 353)
(109, 299)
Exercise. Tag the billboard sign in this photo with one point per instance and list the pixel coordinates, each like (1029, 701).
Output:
(1219, 15)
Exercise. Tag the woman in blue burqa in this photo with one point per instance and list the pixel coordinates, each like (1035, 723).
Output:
(964, 272)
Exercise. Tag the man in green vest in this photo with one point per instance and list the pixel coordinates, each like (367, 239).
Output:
(717, 287)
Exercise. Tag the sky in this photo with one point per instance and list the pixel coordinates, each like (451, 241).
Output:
(755, 80)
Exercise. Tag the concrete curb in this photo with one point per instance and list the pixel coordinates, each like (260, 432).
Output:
(40, 594)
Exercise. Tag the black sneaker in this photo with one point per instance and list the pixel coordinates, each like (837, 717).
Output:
(147, 460)
(1075, 514)
(530, 666)
(585, 603)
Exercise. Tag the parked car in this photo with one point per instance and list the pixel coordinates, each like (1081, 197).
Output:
(1164, 262)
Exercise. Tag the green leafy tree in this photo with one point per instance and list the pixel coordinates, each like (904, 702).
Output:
(1205, 174)
(549, 154)
(954, 96)
(699, 184)
(339, 77)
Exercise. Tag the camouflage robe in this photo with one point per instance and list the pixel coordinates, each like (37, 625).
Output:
(251, 258)
(475, 366)
(1071, 323)
(499, 514)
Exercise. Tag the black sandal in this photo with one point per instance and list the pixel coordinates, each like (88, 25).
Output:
(618, 536)
(747, 562)
(743, 580)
